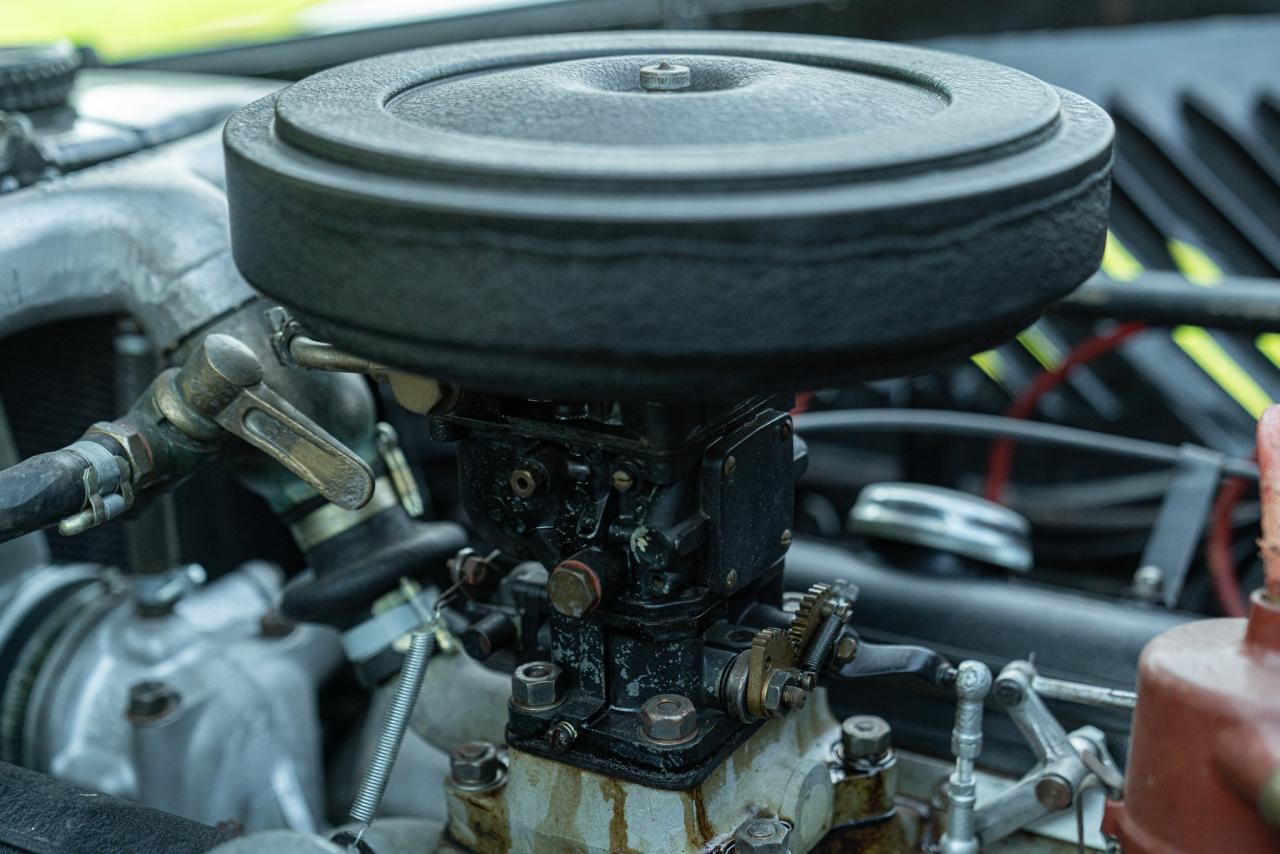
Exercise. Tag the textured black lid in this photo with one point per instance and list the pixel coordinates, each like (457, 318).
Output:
(523, 216)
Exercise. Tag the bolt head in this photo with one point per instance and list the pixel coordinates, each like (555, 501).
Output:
(536, 685)
(1054, 792)
(668, 718)
(846, 649)
(664, 76)
(574, 588)
(762, 836)
(474, 764)
(865, 737)
(785, 539)
(151, 702)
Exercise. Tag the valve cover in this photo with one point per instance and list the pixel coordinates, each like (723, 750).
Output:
(524, 216)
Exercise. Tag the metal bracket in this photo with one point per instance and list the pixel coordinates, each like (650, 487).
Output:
(1179, 524)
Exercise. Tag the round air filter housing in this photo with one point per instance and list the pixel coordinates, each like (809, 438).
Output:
(565, 216)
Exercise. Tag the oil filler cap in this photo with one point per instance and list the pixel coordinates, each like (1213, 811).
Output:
(667, 214)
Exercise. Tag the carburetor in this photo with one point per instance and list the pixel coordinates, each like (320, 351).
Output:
(622, 253)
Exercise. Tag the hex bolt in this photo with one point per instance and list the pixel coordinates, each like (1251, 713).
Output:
(865, 737)
(151, 702)
(562, 736)
(668, 718)
(536, 685)
(665, 77)
(574, 588)
(762, 836)
(526, 480)
(623, 480)
(474, 765)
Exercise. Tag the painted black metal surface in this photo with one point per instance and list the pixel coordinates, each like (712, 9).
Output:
(520, 215)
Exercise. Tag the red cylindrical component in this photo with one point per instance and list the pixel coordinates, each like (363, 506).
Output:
(1204, 763)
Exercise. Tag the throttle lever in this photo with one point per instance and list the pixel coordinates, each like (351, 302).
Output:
(220, 388)
(877, 659)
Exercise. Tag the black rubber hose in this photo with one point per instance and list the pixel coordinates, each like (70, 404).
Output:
(39, 492)
(1167, 299)
(337, 593)
(844, 422)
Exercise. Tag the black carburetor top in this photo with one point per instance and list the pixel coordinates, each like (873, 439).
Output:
(563, 217)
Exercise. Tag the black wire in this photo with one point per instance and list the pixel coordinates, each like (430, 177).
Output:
(971, 424)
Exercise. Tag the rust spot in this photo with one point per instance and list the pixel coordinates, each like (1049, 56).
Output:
(612, 790)
(486, 818)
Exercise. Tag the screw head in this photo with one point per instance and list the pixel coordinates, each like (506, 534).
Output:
(665, 77)
(536, 685)
(562, 736)
(761, 836)
(730, 466)
(785, 539)
(668, 718)
(623, 480)
(474, 765)
(865, 737)
(574, 588)
(151, 702)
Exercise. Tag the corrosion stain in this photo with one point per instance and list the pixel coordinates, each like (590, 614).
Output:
(487, 820)
(612, 791)
(563, 803)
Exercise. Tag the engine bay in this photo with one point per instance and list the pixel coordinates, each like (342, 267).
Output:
(674, 440)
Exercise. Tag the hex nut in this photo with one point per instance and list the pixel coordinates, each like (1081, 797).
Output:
(668, 718)
(775, 700)
(865, 737)
(474, 765)
(526, 480)
(574, 588)
(762, 836)
(536, 685)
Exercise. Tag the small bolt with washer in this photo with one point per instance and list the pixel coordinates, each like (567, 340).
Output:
(665, 77)
(865, 737)
(762, 836)
(474, 765)
(562, 736)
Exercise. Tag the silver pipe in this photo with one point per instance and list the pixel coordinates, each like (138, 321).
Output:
(422, 645)
(1088, 695)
